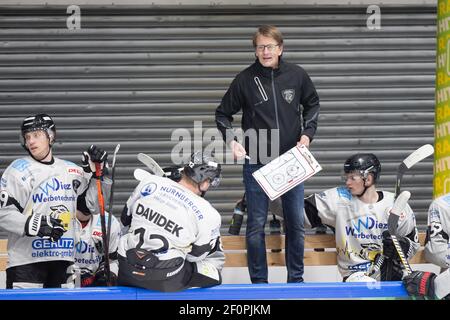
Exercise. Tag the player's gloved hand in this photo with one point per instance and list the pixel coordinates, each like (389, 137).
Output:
(389, 250)
(420, 284)
(44, 226)
(98, 240)
(100, 277)
(87, 279)
(92, 156)
(391, 270)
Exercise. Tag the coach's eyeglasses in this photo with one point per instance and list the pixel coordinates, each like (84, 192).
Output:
(270, 47)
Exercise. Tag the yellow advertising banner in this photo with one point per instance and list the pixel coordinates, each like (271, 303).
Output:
(441, 182)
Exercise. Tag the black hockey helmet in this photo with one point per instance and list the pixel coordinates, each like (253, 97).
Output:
(364, 163)
(40, 121)
(201, 167)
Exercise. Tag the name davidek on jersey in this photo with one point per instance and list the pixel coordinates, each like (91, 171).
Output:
(158, 219)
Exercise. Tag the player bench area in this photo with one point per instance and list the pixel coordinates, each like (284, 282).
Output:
(235, 251)
(320, 250)
(236, 254)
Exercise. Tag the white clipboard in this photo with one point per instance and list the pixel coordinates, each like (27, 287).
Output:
(287, 171)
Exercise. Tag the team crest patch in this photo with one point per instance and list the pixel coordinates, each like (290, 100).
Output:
(148, 189)
(288, 95)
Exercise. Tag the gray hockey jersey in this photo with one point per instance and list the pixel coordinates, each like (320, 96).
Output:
(437, 247)
(30, 186)
(87, 255)
(172, 222)
(359, 227)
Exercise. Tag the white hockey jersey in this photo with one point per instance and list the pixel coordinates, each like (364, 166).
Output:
(359, 226)
(172, 222)
(30, 186)
(87, 255)
(437, 247)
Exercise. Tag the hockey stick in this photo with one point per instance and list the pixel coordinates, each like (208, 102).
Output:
(101, 202)
(151, 164)
(108, 233)
(399, 206)
(140, 174)
(415, 157)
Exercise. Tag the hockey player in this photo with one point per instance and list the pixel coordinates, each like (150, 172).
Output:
(89, 251)
(38, 199)
(173, 242)
(359, 214)
(437, 251)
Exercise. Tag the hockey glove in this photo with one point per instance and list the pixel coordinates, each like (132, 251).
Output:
(91, 156)
(391, 270)
(100, 277)
(389, 250)
(44, 226)
(420, 284)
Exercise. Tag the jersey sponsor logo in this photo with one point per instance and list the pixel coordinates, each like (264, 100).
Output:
(54, 185)
(84, 247)
(80, 261)
(20, 164)
(288, 95)
(97, 233)
(179, 194)
(158, 219)
(344, 193)
(434, 214)
(62, 213)
(361, 224)
(75, 185)
(50, 253)
(50, 186)
(148, 189)
(360, 267)
(45, 244)
(76, 171)
(40, 198)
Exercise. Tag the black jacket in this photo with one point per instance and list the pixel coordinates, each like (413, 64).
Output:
(270, 99)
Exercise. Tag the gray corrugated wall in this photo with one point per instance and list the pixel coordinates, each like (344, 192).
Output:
(133, 75)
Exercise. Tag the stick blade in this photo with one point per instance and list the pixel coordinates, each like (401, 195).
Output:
(116, 150)
(151, 164)
(140, 174)
(418, 155)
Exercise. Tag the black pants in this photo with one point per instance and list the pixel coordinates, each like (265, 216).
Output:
(128, 276)
(51, 274)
